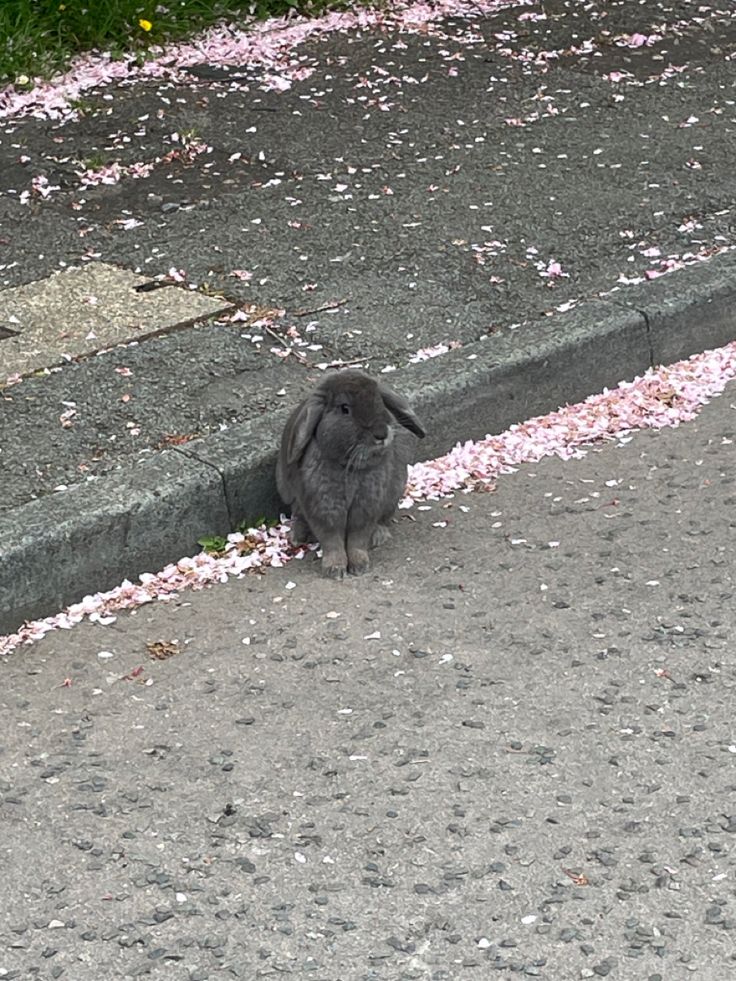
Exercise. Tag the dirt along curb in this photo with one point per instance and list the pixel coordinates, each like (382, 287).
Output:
(59, 548)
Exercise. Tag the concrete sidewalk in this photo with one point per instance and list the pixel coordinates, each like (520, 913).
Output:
(504, 183)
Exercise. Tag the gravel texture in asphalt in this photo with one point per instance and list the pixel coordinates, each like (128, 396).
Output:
(508, 751)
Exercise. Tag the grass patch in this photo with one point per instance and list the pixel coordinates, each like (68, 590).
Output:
(40, 37)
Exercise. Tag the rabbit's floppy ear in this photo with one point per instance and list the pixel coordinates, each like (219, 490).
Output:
(302, 426)
(399, 408)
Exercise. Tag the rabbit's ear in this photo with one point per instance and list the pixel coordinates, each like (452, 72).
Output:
(399, 408)
(302, 427)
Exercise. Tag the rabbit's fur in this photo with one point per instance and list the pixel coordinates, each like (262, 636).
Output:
(342, 467)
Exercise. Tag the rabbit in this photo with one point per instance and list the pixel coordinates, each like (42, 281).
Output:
(342, 467)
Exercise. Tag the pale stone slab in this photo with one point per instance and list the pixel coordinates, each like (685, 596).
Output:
(77, 312)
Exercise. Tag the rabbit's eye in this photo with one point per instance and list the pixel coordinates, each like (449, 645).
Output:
(345, 409)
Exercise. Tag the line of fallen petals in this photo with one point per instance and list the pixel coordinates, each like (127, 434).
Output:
(268, 44)
(665, 396)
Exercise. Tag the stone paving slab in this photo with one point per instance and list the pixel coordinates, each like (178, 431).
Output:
(79, 311)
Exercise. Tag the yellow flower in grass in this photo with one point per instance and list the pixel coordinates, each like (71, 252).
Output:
(145, 24)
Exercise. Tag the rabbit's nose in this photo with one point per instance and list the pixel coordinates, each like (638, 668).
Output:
(380, 434)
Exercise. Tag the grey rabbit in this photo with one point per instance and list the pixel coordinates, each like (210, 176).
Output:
(342, 467)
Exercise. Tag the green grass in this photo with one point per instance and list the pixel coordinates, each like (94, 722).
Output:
(40, 37)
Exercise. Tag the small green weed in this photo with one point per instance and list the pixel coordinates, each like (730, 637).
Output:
(214, 544)
(244, 526)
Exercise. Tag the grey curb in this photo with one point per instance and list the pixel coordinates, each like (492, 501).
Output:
(57, 549)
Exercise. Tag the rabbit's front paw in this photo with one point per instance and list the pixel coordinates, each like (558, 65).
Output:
(334, 568)
(334, 558)
(358, 562)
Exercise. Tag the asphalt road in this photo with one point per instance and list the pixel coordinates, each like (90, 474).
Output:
(508, 751)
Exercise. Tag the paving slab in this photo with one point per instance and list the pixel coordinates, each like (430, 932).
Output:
(80, 311)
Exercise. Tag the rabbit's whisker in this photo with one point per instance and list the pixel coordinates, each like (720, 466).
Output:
(356, 458)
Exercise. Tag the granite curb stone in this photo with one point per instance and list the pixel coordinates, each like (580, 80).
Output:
(61, 547)
(670, 302)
